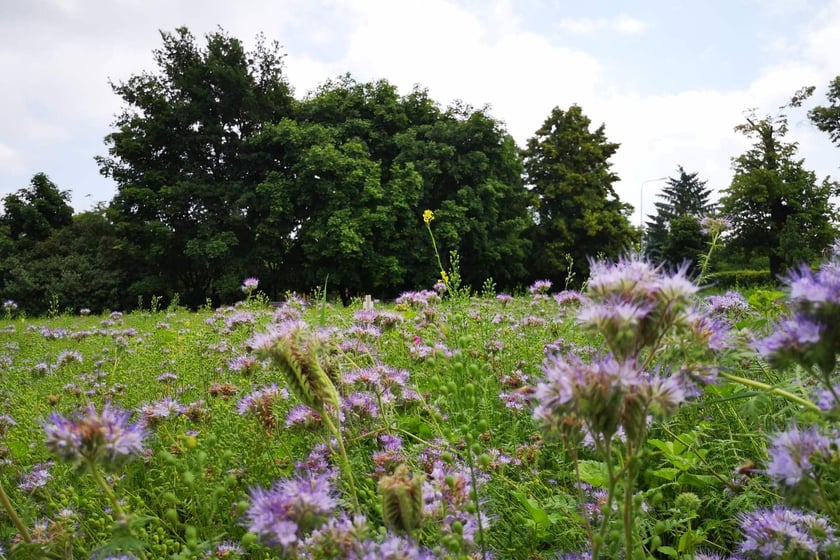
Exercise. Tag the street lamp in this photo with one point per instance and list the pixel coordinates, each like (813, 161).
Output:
(642, 201)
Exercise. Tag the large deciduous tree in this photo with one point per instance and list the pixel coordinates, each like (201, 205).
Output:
(578, 213)
(356, 169)
(674, 234)
(778, 208)
(186, 184)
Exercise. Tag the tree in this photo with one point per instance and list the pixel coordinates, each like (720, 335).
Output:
(827, 118)
(578, 213)
(33, 214)
(186, 182)
(777, 207)
(674, 235)
(357, 168)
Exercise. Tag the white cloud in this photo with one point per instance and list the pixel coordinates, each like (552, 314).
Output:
(9, 159)
(588, 26)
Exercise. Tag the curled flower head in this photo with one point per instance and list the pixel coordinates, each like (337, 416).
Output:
(294, 349)
(812, 336)
(428, 216)
(94, 436)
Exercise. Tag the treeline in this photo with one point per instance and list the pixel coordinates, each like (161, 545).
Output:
(223, 174)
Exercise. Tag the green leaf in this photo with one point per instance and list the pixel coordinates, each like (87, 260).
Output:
(668, 473)
(538, 515)
(698, 480)
(594, 473)
(667, 551)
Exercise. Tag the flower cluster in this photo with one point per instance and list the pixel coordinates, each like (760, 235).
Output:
(249, 285)
(94, 436)
(283, 514)
(633, 303)
(811, 336)
(787, 533)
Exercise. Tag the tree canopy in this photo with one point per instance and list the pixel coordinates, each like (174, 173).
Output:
(778, 208)
(578, 213)
(674, 235)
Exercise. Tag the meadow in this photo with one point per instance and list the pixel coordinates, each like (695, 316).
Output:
(638, 418)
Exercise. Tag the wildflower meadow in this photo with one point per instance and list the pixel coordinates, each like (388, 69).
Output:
(645, 416)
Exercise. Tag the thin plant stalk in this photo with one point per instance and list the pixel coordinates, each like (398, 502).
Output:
(106, 489)
(345, 461)
(770, 389)
(12, 513)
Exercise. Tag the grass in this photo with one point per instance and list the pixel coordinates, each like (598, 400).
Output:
(458, 401)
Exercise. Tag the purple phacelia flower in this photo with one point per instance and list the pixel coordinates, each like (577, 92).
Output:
(283, 514)
(791, 453)
(94, 436)
(540, 287)
(785, 533)
(37, 477)
(249, 285)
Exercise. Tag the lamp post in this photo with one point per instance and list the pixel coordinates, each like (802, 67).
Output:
(642, 200)
(642, 211)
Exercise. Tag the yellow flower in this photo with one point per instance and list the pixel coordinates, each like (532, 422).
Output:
(445, 276)
(428, 216)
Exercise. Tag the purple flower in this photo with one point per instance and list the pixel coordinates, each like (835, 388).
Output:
(290, 508)
(394, 548)
(225, 549)
(792, 340)
(94, 436)
(167, 377)
(791, 452)
(36, 478)
(714, 225)
(160, 410)
(782, 533)
(729, 303)
(249, 285)
(69, 357)
(540, 287)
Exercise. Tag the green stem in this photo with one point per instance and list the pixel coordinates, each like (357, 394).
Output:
(606, 514)
(770, 389)
(707, 257)
(475, 502)
(7, 505)
(345, 461)
(628, 504)
(106, 489)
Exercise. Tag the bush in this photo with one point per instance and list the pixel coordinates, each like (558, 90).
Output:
(741, 279)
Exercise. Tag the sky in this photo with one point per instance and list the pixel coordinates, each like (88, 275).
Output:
(668, 79)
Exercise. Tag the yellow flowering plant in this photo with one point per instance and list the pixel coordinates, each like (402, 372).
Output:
(428, 218)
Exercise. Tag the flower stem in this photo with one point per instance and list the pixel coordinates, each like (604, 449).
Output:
(106, 489)
(10, 510)
(770, 389)
(345, 462)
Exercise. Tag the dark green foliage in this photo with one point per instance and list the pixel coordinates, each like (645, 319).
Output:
(77, 267)
(33, 214)
(186, 184)
(674, 235)
(777, 207)
(740, 279)
(359, 166)
(578, 212)
(827, 118)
